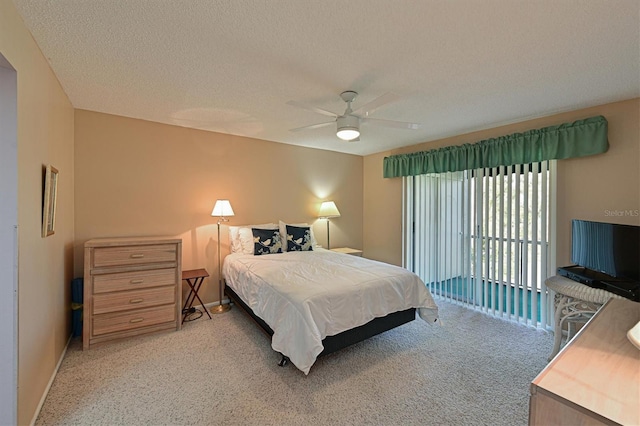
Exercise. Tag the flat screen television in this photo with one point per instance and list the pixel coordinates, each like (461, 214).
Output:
(609, 248)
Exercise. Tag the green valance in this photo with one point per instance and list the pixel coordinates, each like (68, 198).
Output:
(568, 140)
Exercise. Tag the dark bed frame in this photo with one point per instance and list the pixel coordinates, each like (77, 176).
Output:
(342, 340)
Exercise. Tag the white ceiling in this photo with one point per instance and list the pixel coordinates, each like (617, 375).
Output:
(231, 66)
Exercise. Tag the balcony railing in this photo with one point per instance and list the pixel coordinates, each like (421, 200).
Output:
(491, 242)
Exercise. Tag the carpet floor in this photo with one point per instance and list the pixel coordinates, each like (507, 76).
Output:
(470, 370)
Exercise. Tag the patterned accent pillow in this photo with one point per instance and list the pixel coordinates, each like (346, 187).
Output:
(266, 241)
(299, 238)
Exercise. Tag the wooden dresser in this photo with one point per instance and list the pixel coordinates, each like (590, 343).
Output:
(595, 379)
(132, 286)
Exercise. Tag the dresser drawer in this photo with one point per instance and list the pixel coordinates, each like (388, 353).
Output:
(122, 321)
(133, 255)
(134, 280)
(127, 300)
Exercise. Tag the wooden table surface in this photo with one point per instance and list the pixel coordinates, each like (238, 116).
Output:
(194, 273)
(600, 368)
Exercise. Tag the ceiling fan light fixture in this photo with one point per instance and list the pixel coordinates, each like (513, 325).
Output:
(348, 134)
(348, 127)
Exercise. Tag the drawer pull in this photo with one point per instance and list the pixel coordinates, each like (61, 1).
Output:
(136, 320)
(136, 281)
(137, 256)
(136, 300)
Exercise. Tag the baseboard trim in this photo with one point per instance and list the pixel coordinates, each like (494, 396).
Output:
(48, 388)
(209, 305)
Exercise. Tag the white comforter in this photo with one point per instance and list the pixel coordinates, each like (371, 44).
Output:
(306, 296)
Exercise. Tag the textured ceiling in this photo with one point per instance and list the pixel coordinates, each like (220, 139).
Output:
(231, 66)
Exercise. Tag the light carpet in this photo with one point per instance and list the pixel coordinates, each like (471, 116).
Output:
(471, 370)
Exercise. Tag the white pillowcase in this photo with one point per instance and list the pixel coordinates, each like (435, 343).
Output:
(241, 237)
(283, 233)
(233, 239)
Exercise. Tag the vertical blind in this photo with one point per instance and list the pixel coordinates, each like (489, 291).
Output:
(481, 238)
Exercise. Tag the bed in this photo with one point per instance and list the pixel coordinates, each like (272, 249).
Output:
(314, 301)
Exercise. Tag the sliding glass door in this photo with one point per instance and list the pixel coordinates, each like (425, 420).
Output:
(482, 237)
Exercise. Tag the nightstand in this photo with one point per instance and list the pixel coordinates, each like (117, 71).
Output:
(348, 250)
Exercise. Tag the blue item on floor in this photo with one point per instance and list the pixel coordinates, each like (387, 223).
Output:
(77, 290)
(77, 298)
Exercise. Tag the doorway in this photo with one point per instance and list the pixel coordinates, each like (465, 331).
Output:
(8, 244)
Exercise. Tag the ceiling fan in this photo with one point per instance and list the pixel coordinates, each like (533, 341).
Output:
(348, 123)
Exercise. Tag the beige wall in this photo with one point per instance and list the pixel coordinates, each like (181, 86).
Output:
(592, 188)
(136, 177)
(45, 136)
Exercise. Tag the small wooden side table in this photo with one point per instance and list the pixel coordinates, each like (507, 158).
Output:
(348, 250)
(194, 279)
(573, 302)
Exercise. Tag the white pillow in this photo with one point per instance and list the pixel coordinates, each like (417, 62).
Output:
(234, 243)
(283, 233)
(241, 237)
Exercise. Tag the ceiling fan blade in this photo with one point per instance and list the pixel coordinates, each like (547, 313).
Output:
(368, 108)
(391, 123)
(312, 108)
(312, 126)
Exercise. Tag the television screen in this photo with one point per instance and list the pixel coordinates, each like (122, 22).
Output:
(609, 248)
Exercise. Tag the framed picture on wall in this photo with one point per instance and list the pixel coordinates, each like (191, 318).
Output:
(50, 194)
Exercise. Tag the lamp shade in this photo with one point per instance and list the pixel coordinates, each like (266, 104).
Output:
(328, 209)
(222, 208)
